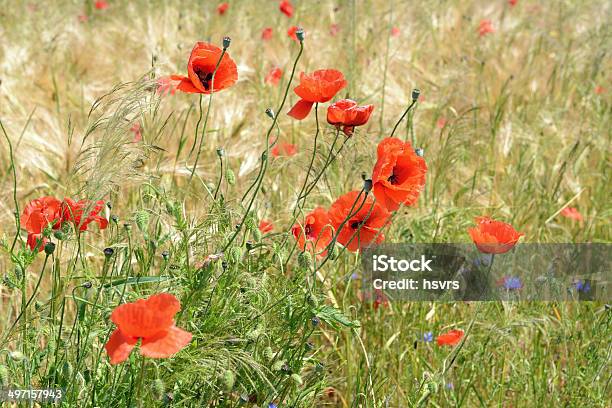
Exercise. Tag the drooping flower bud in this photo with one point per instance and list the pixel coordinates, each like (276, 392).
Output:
(367, 185)
(305, 260)
(415, 94)
(270, 113)
(419, 152)
(220, 152)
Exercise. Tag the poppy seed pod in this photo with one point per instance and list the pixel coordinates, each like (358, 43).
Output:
(49, 248)
(270, 113)
(415, 94)
(226, 42)
(299, 33)
(60, 235)
(108, 252)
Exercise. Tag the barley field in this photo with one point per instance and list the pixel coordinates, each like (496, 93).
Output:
(172, 237)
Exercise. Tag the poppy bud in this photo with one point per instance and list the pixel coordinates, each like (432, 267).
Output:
(87, 285)
(367, 185)
(226, 42)
(165, 255)
(142, 220)
(270, 113)
(230, 177)
(220, 152)
(256, 234)
(108, 252)
(419, 152)
(49, 248)
(315, 321)
(127, 226)
(268, 353)
(305, 260)
(158, 388)
(299, 33)
(415, 94)
(228, 380)
(297, 379)
(109, 205)
(3, 376)
(249, 245)
(115, 219)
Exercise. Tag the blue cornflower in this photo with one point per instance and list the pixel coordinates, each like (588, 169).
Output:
(450, 386)
(427, 337)
(272, 405)
(583, 286)
(512, 283)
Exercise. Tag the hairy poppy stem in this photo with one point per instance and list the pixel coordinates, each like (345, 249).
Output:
(264, 164)
(204, 127)
(312, 158)
(220, 176)
(414, 101)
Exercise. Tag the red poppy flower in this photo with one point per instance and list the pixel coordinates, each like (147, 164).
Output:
(37, 215)
(291, 33)
(74, 211)
(316, 231)
(284, 149)
(265, 226)
(200, 67)
(450, 338)
(572, 213)
(441, 123)
(493, 237)
(152, 321)
(320, 86)
(274, 76)
(485, 27)
(222, 8)
(266, 33)
(286, 8)
(83, 18)
(512, 3)
(599, 90)
(380, 299)
(395, 32)
(399, 174)
(347, 114)
(101, 5)
(363, 227)
(334, 29)
(135, 129)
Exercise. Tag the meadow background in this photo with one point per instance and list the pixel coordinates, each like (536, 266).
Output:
(514, 124)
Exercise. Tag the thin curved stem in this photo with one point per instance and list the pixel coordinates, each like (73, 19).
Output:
(414, 101)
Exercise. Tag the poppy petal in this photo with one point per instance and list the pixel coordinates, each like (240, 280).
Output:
(300, 110)
(187, 86)
(166, 344)
(146, 317)
(119, 346)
